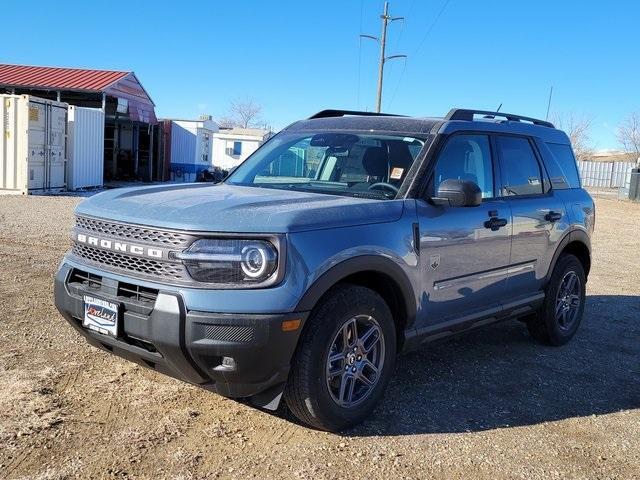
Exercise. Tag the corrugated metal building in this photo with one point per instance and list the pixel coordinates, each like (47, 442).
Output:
(188, 144)
(129, 149)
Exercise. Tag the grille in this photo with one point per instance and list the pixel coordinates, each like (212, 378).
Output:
(168, 239)
(120, 261)
(86, 279)
(137, 292)
(226, 333)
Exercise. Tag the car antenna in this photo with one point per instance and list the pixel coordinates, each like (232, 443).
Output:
(497, 110)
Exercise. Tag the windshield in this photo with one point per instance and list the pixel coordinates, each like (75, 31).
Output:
(362, 165)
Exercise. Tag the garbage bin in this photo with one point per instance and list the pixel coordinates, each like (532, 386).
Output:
(634, 186)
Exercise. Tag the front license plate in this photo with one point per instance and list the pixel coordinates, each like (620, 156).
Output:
(100, 315)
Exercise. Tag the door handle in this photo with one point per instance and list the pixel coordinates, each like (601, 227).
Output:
(553, 216)
(494, 223)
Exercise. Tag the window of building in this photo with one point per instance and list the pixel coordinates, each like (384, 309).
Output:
(237, 148)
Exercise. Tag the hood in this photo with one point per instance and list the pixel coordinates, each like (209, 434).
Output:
(232, 208)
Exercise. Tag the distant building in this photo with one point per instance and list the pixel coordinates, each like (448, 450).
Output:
(188, 146)
(125, 147)
(231, 146)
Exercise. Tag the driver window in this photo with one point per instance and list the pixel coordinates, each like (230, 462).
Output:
(465, 157)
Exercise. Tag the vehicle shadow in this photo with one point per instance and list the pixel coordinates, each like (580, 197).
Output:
(499, 377)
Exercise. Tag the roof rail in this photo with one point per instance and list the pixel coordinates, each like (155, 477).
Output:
(343, 113)
(467, 114)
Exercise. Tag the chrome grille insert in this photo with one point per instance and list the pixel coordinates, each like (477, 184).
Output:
(135, 233)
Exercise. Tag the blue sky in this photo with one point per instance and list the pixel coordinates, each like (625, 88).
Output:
(298, 57)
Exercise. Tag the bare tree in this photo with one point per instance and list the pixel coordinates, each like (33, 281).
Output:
(629, 135)
(578, 128)
(243, 113)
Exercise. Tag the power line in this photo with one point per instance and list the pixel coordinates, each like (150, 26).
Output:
(424, 38)
(360, 52)
(433, 24)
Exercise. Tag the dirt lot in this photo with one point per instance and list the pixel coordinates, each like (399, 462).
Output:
(491, 404)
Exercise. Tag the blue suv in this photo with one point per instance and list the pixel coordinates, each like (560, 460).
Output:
(344, 240)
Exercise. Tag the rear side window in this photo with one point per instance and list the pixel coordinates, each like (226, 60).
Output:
(520, 168)
(562, 167)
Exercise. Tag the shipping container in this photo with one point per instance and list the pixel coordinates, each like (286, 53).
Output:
(33, 134)
(189, 147)
(85, 147)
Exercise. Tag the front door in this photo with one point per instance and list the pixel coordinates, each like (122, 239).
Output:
(464, 251)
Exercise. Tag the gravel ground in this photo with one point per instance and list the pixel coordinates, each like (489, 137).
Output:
(491, 404)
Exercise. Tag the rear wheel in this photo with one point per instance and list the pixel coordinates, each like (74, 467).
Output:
(561, 313)
(344, 359)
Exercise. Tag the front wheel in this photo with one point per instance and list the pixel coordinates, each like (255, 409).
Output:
(344, 359)
(561, 313)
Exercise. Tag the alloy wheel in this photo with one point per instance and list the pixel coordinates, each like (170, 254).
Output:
(355, 360)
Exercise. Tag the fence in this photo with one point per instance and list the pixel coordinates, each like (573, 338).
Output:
(611, 179)
(605, 174)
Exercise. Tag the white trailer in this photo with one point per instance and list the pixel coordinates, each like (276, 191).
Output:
(191, 147)
(33, 135)
(85, 152)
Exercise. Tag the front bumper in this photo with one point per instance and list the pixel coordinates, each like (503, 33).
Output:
(235, 355)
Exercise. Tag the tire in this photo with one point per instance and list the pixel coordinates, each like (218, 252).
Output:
(549, 326)
(314, 392)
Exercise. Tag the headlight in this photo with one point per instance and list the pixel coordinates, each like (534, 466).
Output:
(231, 261)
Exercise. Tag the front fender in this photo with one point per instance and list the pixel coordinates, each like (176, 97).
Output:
(359, 264)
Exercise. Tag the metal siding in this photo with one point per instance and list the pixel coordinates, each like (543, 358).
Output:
(86, 147)
(32, 144)
(183, 143)
(605, 174)
(58, 78)
(13, 161)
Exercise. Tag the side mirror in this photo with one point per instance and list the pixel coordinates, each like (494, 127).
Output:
(458, 193)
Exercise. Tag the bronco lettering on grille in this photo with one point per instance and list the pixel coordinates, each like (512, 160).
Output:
(119, 246)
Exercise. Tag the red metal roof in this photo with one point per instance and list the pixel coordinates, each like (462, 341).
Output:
(56, 78)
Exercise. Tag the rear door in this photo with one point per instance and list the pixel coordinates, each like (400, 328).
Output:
(539, 216)
(464, 250)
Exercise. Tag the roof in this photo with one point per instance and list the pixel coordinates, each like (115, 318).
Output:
(354, 121)
(243, 132)
(59, 78)
(368, 123)
(122, 85)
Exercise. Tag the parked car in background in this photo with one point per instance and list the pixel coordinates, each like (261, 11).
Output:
(345, 239)
(212, 174)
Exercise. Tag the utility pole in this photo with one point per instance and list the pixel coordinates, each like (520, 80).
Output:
(386, 18)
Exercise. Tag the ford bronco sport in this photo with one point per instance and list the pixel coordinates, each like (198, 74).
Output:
(345, 239)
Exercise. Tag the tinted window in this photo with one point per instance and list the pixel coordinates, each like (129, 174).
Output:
(520, 168)
(466, 157)
(562, 168)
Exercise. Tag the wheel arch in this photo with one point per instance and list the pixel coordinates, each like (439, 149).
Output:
(577, 243)
(381, 275)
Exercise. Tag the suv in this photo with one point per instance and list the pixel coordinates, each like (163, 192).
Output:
(345, 239)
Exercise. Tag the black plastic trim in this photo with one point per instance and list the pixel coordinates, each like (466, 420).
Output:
(359, 264)
(575, 235)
